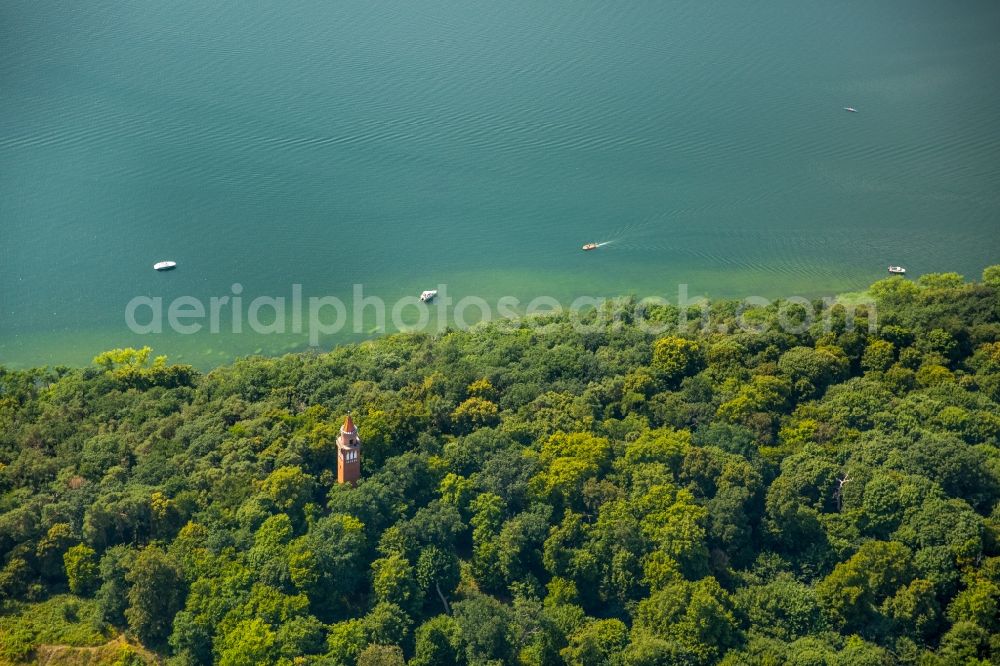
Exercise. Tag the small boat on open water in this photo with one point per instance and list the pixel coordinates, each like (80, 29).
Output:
(850, 109)
(428, 295)
(897, 270)
(590, 246)
(164, 265)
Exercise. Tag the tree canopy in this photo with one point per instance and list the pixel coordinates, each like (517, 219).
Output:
(597, 495)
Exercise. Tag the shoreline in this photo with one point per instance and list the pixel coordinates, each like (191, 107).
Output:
(206, 351)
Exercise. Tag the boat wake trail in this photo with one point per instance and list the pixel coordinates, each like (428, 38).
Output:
(635, 236)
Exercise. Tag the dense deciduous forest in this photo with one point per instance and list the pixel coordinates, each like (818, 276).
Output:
(531, 495)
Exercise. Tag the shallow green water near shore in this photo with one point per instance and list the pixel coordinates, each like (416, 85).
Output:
(478, 145)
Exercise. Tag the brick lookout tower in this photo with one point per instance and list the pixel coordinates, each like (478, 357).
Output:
(348, 453)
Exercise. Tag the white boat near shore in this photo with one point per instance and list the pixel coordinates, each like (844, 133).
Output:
(164, 265)
(897, 270)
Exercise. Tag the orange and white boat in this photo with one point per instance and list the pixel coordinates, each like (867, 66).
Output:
(590, 246)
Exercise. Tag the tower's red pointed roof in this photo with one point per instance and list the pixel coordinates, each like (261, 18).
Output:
(348, 424)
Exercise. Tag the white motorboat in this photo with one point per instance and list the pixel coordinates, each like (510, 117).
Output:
(897, 270)
(428, 295)
(164, 265)
(850, 109)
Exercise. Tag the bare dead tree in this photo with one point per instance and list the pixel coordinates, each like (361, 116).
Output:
(838, 494)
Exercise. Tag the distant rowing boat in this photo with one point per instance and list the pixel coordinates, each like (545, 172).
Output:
(850, 109)
(164, 265)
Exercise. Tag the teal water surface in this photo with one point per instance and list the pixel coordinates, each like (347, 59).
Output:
(403, 145)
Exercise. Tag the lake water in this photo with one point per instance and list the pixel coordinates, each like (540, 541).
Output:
(401, 145)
